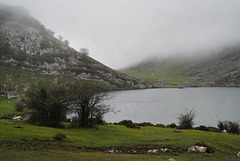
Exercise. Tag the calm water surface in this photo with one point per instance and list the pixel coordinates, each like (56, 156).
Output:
(164, 105)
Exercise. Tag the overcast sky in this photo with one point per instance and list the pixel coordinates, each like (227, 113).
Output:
(119, 33)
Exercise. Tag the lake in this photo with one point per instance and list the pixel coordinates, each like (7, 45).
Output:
(163, 105)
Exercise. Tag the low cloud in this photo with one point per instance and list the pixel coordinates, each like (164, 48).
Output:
(121, 33)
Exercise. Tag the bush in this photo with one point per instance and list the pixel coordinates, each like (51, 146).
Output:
(203, 128)
(49, 104)
(186, 119)
(233, 128)
(7, 116)
(160, 125)
(128, 123)
(172, 125)
(229, 126)
(74, 125)
(213, 129)
(223, 125)
(145, 124)
(19, 106)
(59, 136)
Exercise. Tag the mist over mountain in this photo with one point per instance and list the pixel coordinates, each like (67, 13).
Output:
(121, 33)
(30, 52)
(219, 69)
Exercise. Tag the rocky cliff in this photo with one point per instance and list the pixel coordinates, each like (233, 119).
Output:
(26, 44)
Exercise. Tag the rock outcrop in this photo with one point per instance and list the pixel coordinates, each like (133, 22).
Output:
(26, 43)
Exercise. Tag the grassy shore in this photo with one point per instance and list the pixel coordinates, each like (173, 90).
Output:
(22, 141)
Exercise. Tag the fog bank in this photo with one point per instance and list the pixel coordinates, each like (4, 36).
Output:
(121, 33)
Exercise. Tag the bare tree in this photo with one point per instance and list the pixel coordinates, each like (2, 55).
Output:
(87, 103)
(186, 119)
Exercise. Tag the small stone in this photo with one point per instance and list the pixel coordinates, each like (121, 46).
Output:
(164, 149)
(171, 159)
(177, 130)
(110, 151)
(153, 151)
(149, 151)
(192, 149)
(134, 151)
(201, 149)
(238, 154)
(196, 148)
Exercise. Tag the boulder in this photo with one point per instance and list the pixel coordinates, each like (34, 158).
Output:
(177, 130)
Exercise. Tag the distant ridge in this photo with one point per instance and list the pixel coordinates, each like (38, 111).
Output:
(221, 69)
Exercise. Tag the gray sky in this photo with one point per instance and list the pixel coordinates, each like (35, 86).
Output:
(119, 33)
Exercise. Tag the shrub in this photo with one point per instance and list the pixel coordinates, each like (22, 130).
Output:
(172, 125)
(19, 106)
(233, 128)
(74, 125)
(59, 136)
(186, 119)
(49, 104)
(128, 123)
(7, 116)
(203, 128)
(223, 125)
(229, 126)
(160, 125)
(145, 124)
(213, 129)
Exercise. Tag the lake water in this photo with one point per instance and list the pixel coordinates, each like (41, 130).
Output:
(164, 105)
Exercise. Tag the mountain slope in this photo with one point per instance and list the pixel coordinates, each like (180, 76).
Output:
(26, 46)
(218, 69)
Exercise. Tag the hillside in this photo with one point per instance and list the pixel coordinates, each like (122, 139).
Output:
(221, 69)
(29, 52)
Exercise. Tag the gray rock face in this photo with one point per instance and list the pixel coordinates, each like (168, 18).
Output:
(28, 39)
(222, 69)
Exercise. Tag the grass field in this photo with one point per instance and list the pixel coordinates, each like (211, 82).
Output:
(7, 108)
(92, 143)
(14, 78)
(159, 74)
(20, 140)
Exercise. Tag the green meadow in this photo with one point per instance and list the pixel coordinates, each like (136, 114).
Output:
(20, 140)
(161, 74)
